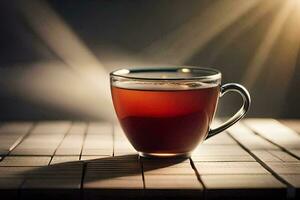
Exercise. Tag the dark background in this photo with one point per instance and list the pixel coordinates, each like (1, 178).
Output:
(49, 50)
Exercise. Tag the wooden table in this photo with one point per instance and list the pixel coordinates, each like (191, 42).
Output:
(255, 159)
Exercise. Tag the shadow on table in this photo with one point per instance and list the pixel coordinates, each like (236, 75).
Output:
(112, 175)
(69, 174)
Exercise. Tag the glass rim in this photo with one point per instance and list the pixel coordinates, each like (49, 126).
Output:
(123, 73)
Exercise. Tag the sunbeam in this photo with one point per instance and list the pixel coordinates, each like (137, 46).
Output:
(196, 33)
(60, 38)
(244, 25)
(284, 59)
(263, 50)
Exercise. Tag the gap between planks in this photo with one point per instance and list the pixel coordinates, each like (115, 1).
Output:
(290, 188)
(67, 132)
(21, 139)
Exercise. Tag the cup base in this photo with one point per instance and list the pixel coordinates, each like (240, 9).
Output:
(164, 155)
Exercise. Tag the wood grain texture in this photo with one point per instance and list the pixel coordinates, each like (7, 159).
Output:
(282, 160)
(285, 167)
(11, 134)
(64, 159)
(292, 123)
(99, 140)
(43, 139)
(274, 156)
(217, 150)
(222, 158)
(249, 139)
(121, 144)
(276, 132)
(23, 161)
(94, 160)
(73, 141)
(169, 181)
(230, 168)
(239, 181)
(221, 139)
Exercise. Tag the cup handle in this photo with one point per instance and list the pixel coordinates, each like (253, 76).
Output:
(233, 87)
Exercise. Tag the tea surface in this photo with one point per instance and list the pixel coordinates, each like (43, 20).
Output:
(165, 121)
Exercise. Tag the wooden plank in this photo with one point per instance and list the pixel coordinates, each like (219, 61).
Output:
(44, 182)
(226, 169)
(283, 156)
(115, 188)
(113, 167)
(99, 140)
(11, 133)
(239, 181)
(51, 128)
(121, 144)
(51, 188)
(170, 171)
(295, 152)
(113, 177)
(265, 156)
(274, 156)
(167, 167)
(212, 168)
(294, 180)
(248, 139)
(102, 128)
(290, 172)
(52, 183)
(162, 162)
(123, 148)
(15, 172)
(43, 140)
(220, 139)
(23, 161)
(179, 182)
(72, 143)
(93, 149)
(275, 132)
(285, 167)
(60, 181)
(170, 178)
(221, 158)
(62, 170)
(292, 123)
(123, 182)
(92, 158)
(217, 150)
(173, 187)
(254, 186)
(64, 159)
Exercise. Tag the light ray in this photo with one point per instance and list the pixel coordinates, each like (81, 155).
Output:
(180, 45)
(260, 11)
(52, 87)
(256, 65)
(60, 38)
(284, 59)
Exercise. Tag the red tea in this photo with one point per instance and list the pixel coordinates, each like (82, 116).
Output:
(165, 121)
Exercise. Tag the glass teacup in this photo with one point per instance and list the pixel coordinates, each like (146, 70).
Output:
(167, 112)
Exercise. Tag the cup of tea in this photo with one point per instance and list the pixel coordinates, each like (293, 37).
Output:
(167, 112)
